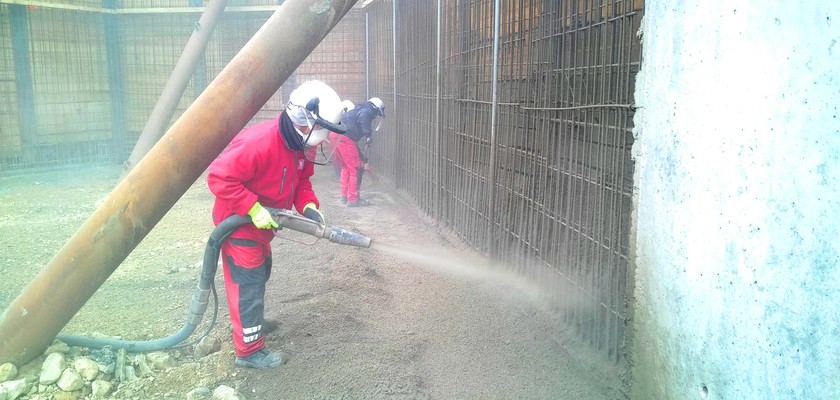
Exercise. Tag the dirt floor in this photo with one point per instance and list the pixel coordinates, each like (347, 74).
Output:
(356, 323)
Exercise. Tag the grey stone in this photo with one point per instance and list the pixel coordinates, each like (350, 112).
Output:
(87, 368)
(160, 361)
(11, 390)
(8, 371)
(57, 347)
(100, 389)
(70, 381)
(200, 393)
(129, 374)
(207, 345)
(142, 365)
(51, 369)
(119, 369)
(225, 393)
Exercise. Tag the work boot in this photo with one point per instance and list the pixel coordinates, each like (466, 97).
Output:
(359, 203)
(262, 358)
(343, 199)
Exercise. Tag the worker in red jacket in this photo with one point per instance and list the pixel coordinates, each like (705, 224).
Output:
(267, 165)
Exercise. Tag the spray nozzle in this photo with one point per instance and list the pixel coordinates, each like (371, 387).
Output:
(290, 220)
(342, 236)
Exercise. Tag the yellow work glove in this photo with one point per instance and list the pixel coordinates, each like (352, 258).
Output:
(311, 212)
(261, 217)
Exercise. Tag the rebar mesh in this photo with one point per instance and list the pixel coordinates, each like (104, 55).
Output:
(71, 91)
(73, 4)
(10, 138)
(231, 34)
(381, 80)
(150, 46)
(66, 100)
(56, 105)
(527, 160)
(339, 58)
(174, 4)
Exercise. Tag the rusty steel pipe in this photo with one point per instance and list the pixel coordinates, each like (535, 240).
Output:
(46, 304)
(177, 83)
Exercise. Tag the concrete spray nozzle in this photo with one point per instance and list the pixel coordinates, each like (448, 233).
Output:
(290, 220)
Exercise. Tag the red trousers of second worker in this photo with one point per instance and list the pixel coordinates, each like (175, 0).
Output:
(350, 164)
(247, 266)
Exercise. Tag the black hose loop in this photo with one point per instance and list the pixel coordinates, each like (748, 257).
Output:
(197, 303)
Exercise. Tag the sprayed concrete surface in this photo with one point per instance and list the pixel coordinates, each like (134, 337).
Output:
(738, 139)
(415, 317)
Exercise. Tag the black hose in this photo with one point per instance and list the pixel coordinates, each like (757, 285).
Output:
(198, 303)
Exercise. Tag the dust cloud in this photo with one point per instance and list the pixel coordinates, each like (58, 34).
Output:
(538, 282)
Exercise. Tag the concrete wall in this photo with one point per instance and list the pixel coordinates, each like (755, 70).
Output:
(738, 201)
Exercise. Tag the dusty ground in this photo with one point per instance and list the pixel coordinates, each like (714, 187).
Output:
(357, 323)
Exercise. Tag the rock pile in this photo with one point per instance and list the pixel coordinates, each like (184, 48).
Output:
(73, 373)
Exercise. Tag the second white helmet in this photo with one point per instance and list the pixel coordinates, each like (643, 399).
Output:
(377, 102)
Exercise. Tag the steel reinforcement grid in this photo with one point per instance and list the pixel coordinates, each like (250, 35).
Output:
(80, 78)
(510, 122)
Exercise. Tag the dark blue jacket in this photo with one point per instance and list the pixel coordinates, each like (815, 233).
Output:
(358, 121)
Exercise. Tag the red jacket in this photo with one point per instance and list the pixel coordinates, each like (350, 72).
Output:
(258, 166)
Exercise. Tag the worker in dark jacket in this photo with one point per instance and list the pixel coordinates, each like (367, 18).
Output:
(358, 122)
(267, 165)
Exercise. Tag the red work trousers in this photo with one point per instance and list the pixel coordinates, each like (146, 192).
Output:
(350, 165)
(247, 266)
(333, 151)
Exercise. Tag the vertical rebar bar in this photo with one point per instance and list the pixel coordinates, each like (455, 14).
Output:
(116, 79)
(367, 56)
(491, 180)
(438, 129)
(23, 76)
(394, 112)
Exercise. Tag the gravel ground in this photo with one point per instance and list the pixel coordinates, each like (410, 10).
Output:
(417, 316)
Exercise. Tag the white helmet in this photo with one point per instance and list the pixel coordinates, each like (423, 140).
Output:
(316, 105)
(377, 102)
(348, 105)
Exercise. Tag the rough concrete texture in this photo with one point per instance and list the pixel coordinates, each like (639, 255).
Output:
(738, 196)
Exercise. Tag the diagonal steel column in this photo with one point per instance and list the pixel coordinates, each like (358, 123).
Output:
(35, 317)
